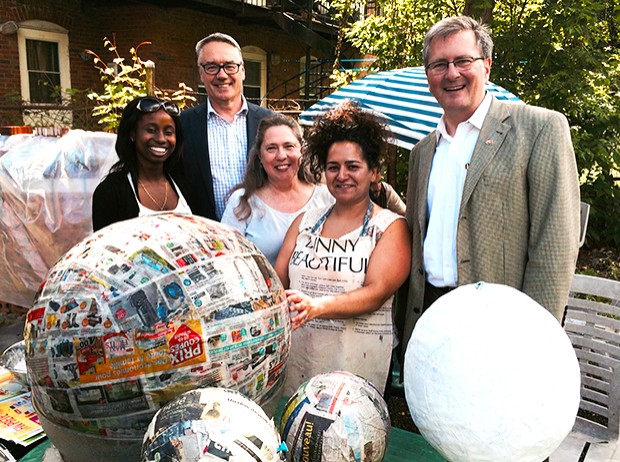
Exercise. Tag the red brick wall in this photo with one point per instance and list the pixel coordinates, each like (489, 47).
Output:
(172, 31)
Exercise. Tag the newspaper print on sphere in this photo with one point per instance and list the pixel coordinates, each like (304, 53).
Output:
(212, 424)
(336, 417)
(144, 310)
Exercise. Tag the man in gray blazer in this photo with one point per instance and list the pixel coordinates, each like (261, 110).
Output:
(493, 193)
(220, 132)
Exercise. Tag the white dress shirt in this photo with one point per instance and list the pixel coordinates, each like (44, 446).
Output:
(445, 189)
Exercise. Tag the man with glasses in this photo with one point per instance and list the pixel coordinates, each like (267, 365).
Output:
(493, 192)
(220, 132)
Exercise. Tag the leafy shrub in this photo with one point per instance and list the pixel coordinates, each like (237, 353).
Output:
(124, 82)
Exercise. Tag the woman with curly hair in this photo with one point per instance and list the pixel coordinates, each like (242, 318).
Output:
(276, 186)
(343, 263)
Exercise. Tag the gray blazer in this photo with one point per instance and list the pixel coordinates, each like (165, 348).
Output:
(196, 152)
(519, 216)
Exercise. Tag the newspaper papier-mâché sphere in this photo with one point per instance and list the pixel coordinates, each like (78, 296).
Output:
(490, 375)
(142, 311)
(336, 417)
(211, 424)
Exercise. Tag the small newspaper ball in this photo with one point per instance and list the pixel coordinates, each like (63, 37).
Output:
(211, 424)
(146, 309)
(490, 375)
(336, 417)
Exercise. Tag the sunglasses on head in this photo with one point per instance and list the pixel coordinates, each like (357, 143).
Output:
(150, 105)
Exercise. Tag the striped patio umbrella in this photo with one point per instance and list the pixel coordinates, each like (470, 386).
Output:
(400, 97)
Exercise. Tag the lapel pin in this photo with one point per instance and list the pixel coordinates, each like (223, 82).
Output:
(488, 142)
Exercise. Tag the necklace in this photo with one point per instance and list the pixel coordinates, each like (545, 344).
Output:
(163, 206)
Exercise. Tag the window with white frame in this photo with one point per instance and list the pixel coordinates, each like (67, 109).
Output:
(44, 70)
(255, 84)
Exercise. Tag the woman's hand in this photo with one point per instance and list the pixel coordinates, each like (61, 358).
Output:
(388, 268)
(305, 308)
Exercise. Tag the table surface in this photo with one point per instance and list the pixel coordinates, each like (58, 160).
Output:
(404, 447)
(407, 446)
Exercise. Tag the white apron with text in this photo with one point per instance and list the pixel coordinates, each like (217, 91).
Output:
(325, 266)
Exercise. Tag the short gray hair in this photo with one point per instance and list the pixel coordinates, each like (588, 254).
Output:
(455, 24)
(217, 37)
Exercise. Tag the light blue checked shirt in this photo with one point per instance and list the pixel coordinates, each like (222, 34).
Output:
(228, 147)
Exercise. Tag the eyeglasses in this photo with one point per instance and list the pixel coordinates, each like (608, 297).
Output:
(214, 69)
(150, 105)
(441, 67)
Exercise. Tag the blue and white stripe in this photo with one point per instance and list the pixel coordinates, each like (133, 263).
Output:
(400, 97)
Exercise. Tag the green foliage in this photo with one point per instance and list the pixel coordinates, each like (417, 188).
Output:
(123, 83)
(559, 54)
(394, 33)
(341, 77)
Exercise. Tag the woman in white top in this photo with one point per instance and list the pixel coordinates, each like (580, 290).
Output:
(149, 143)
(343, 263)
(276, 187)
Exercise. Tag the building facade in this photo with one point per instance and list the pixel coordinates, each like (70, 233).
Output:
(287, 47)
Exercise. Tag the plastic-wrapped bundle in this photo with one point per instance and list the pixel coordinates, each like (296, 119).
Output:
(46, 187)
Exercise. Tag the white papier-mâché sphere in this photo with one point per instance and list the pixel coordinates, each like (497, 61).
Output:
(490, 375)
(142, 311)
(211, 424)
(336, 417)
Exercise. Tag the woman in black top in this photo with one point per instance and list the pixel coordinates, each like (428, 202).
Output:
(149, 144)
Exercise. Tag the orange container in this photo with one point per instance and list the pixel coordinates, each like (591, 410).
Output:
(8, 130)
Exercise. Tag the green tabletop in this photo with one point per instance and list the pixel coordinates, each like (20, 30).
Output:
(404, 447)
(36, 454)
(410, 447)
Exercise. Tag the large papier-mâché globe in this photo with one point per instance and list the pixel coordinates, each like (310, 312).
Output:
(142, 311)
(490, 375)
(214, 424)
(336, 417)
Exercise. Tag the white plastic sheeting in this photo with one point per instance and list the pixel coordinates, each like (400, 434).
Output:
(46, 186)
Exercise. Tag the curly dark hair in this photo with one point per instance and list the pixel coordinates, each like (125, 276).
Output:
(346, 122)
(126, 147)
